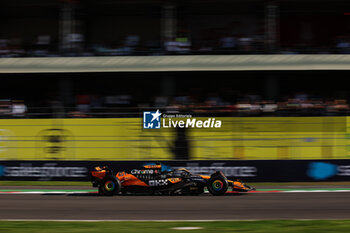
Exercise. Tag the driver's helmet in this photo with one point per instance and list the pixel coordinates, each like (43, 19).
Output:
(161, 167)
(181, 172)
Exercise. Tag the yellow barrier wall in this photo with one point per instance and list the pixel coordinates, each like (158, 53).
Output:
(124, 139)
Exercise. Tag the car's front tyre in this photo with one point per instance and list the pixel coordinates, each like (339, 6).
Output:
(217, 184)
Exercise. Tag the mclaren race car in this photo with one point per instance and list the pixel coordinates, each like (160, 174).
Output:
(162, 180)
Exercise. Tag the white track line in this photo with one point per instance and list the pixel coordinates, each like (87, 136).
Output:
(314, 191)
(186, 228)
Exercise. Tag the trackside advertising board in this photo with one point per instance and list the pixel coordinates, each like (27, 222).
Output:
(247, 170)
(154, 136)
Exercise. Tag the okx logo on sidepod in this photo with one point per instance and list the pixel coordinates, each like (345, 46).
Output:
(151, 120)
(322, 170)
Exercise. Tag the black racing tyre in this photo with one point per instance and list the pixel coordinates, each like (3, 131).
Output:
(110, 186)
(217, 185)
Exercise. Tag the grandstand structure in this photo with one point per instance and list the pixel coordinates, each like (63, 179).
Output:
(65, 56)
(120, 138)
(153, 27)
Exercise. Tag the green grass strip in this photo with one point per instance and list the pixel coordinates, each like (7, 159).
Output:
(45, 183)
(281, 226)
(95, 190)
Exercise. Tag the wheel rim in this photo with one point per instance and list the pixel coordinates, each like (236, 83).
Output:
(109, 186)
(217, 185)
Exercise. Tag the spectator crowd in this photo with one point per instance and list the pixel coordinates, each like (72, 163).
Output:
(127, 106)
(225, 43)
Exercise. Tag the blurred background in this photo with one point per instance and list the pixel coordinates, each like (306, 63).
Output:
(75, 77)
(51, 28)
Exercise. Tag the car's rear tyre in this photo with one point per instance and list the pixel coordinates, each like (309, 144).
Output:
(217, 185)
(110, 186)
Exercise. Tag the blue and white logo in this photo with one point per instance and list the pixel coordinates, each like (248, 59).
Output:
(2, 170)
(151, 120)
(321, 170)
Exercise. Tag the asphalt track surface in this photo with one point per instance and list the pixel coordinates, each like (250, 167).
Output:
(205, 207)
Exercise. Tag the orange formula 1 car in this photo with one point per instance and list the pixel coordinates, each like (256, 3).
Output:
(160, 179)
